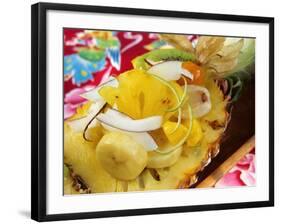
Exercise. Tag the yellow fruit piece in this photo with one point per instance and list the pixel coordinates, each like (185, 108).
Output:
(174, 134)
(141, 95)
(109, 94)
(81, 155)
(196, 133)
(81, 111)
(121, 156)
(95, 134)
(158, 160)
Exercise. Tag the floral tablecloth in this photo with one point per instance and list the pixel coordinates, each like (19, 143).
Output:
(114, 52)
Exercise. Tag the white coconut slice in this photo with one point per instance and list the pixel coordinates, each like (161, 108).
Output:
(170, 70)
(199, 100)
(187, 73)
(143, 138)
(118, 120)
(79, 125)
(93, 94)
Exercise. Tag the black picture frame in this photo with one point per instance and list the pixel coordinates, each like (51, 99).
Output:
(39, 97)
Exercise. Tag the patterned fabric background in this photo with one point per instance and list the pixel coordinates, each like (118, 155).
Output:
(113, 54)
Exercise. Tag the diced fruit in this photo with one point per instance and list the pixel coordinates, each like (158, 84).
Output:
(143, 138)
(78, 125)
(174, 133)
(141, 95)
(196, 133)
(109, 94)
(123, 122)
(121, 156)
(94, 134)
(158, 160)
(161, 55)
(169, 70)
(81, 156)
(199, 100)
(196, 70)
(81, 111)
(94, 95)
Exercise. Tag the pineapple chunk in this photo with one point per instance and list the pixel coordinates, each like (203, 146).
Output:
(109, 94)
(174, 135)
(195, 134)
(141, 95)
(81, 156)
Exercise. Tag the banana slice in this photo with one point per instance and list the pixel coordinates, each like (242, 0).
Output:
(121, 156)
(158, 160)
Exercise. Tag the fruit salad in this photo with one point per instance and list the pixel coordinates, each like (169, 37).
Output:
(154, 127)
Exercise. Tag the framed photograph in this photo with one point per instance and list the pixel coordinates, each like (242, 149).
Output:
(139, 111)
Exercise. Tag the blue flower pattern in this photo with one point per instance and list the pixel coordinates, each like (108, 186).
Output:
(81, 70)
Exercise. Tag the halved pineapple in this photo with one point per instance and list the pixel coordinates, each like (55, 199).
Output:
(81, 155)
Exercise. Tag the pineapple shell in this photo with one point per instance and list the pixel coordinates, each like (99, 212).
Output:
(81, 156)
